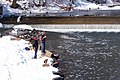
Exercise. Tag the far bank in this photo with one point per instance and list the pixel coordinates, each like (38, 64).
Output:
(62, 20)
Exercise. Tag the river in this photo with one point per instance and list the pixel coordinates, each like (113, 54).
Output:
(87, 55)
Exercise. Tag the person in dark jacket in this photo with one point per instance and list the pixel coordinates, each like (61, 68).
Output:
(55, 63)
(35, 45)
(55, 58)
(55, 55)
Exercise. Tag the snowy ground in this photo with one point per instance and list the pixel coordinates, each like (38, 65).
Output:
(17, 64)
(52, 8)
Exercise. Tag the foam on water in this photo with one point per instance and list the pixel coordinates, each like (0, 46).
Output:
(74, 27)
(79, 27)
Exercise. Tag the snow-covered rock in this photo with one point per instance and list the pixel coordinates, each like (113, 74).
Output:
(1, 26)
(23, 26)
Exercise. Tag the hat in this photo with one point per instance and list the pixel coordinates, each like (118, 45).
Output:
(35, 38)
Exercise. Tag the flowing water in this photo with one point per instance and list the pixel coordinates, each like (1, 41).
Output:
(87, 56)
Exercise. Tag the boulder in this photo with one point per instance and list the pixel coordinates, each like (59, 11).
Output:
(1, 26)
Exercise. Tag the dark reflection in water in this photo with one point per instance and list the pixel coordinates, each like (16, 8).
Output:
(87, 56)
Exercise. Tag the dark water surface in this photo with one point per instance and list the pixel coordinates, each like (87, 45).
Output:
(87, 56)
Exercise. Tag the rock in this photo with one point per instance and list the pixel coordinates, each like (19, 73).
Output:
(1, 26)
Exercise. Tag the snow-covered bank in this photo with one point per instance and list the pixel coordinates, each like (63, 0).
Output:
(17, 64)
(28, 7)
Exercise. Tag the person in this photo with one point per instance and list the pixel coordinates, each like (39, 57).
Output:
(45, 63)
(33, 31)
(43, 41)
(0, 35)
(55, 58)
(55, 63)
(35, 45)
(55, 55)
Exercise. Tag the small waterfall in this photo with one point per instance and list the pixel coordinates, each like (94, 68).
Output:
(73, 27)
(78, 27)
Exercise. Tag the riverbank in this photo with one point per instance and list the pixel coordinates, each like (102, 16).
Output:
(17, 63)
(63, 20)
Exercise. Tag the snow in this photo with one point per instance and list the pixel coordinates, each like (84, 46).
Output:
(5, 2)
(8, 11)
(1, 26)
(109, 1)
(109, 8)
(24, 26)
(17, 64)
(29, 7)
(88, 6)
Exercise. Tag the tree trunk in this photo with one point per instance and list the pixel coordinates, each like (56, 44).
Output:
(14, 4)
(1, 10)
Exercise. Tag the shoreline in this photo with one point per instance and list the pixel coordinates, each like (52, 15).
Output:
(29, 61)
(40, 58)
(63, 20)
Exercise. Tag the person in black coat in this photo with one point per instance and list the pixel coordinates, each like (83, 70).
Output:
(35, 45)
(55, 63)
(55, 55)
(55, 58)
